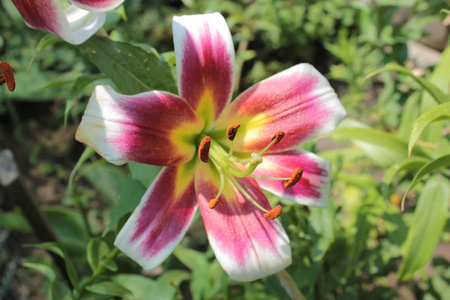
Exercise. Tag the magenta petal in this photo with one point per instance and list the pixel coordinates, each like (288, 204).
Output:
(247, 246)
(162, 218)
(155, 128)
(72, 24)
(298, 101)
(205, 62)
(312, 189)
(97, 5)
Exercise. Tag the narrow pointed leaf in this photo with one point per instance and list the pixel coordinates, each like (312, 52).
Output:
(439, 113)
(70, 268)
(435, 92)
(407, 164)
(440, 162)
(427, 227)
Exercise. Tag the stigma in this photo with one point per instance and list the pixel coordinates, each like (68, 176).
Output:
(230, 167)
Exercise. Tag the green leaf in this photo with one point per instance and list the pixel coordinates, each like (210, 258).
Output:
(106, 178)
(57, 289)
(426, 228)
(92, 253)
(111, 289)
(441, 112)
(132, 69)
(14, 220)
(144, 173)
(440, 162)
(87, 153)
(407, 164)
(434, 91)
(130, 196)
(57, 249)
(80, 83)
(69, 228)
(46, 40)
(109, 264)
(144, 288)
(198, 263)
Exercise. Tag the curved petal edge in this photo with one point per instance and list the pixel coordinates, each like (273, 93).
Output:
(313, 189)
(162, 218)
(155, 127)
(247, 246)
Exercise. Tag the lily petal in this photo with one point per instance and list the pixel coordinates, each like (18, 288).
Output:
(97, 5)
(205, 62)
(298, 101)
(312, 189)
(72, 24)
(247, 246)
(155, 128)
(162, 218)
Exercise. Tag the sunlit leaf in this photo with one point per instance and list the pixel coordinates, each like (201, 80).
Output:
(436, 164)
(435, 92)
(132, 69)
(426, 228)
(439, 113)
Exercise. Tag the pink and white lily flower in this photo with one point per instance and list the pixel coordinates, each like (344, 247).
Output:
(217, 154)
(74, 22)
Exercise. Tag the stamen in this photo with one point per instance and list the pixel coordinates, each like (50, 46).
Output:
(213, 203)
(295, 177)
(277, 137)
(246, 195)
(8, 76)
(273, 141)
(203, 149)
(232, 130)
(274, 213)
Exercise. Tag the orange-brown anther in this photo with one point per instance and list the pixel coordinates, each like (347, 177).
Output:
(273, 213)
(8, 76)
(232, 130)
(213, 203)
(295, 177)
(277, 137)
(203, 149)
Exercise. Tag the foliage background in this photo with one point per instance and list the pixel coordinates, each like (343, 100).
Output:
(361, 246)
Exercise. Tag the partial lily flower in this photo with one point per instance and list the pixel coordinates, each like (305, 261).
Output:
(74, 21)
(217, 154)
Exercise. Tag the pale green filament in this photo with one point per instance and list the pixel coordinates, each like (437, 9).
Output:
(268, 178)
(222, 181)
(244, 192)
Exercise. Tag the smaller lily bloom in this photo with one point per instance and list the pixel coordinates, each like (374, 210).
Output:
(73, 22)
(217, 154)
(7, 76)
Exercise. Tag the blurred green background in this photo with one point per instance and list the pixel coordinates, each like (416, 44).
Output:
(361, 246)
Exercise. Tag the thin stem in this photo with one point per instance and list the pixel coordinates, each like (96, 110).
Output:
(289, 286)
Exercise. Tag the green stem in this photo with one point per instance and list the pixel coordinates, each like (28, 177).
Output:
(289, 286)
(97, 273)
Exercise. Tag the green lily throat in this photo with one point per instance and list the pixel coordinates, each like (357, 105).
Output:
(226, 164)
